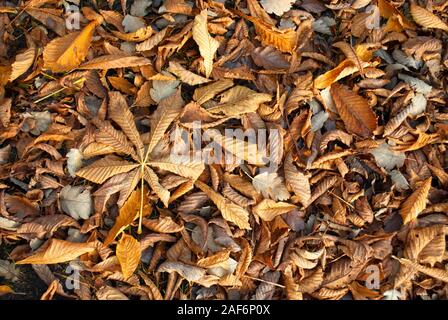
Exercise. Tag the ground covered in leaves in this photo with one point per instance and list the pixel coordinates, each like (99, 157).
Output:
(106, 191)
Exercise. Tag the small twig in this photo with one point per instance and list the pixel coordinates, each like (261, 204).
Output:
(57, 91)
(343, 200)
(268, 282)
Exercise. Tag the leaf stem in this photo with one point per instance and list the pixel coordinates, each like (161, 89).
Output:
(142, 182)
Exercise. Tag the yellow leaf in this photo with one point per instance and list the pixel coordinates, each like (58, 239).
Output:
(207, 44)
(268, 209)
(57, 251)
(128, 254)
(229, 210)
(416, 203)
(128, 213)
(427, 19)
(67, 53)
(4, 289)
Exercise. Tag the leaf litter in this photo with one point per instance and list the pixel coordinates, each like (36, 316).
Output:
(346, 199)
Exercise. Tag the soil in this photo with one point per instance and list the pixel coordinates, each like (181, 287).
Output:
(28, 287)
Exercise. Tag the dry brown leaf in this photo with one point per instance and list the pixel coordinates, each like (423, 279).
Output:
(416, 203)
(427, 19)
(439, 274)
(162, 225)
(239, 100)
(103, 169)
(186, 76)
(207, 44)
(115, 61)
(285, 40)
(297, 181)
(22, 63)
(354, 110)
(229, 210)
(268, 209)
(214, 259)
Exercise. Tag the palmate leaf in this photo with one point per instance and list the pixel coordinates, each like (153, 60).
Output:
(103, 169)
(120, 113)
(97, 149)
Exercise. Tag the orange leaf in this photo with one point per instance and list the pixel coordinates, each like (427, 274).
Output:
(354, 111)
(128, 254)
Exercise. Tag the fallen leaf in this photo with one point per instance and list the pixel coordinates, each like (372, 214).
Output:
(128, 254)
